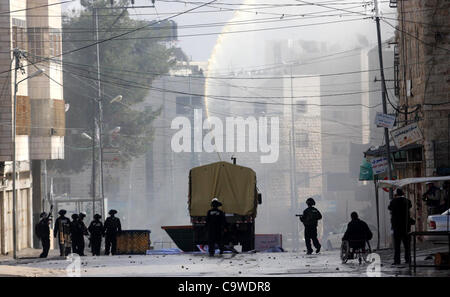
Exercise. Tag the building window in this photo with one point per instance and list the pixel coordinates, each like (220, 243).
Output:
(36, 42)
(55, 43)
(260, 108)
(303, 179)
(19, 39)
(301, 106)
(61, 185)
(301, 139)
(197, 102)
(183, 105)
(187, 104)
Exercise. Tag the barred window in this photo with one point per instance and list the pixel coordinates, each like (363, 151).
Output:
(301, 139)
(36, 41)
(301, 106)
(19, 39)
(55, 44)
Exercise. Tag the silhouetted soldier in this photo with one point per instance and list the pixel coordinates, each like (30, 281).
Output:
(309, 218)
(215, 224)
(43, 233)
(76, 233)
(357, 233)
(62, 231)
(96, 232)
(84, 232)
(401, 224)
(112, 227)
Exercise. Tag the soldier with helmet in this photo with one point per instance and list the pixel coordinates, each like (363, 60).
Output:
(62, 232)
(42, 230)
(215, 224)
(310, 217)
(112, 227)
(84, 232)
(76, 234)
(96, 232)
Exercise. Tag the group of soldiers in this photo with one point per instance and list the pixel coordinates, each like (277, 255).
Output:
(71, 233)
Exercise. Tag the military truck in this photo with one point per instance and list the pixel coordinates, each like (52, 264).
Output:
(234, 186)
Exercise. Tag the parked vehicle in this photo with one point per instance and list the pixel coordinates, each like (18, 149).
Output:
(438, 223)
(235, 187)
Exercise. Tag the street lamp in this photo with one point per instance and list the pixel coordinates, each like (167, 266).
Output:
(116, 99)
(17, 55)
(85, 135)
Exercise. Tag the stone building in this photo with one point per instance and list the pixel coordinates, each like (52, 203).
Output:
(423, 80)
(40, 116)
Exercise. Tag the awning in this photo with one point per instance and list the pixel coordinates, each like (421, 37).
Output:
(412, 180)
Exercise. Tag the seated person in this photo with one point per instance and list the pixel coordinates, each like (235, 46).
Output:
(357, 232)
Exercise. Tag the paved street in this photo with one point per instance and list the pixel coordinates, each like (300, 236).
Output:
(327, 263)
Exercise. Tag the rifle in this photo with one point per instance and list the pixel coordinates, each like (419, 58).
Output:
(50, 213)
(300, 217)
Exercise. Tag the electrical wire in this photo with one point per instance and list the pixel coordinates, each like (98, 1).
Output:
(35, 7)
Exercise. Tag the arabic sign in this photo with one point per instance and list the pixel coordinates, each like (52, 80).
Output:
(384, 120)
(379, 165)
(365, 171)
(406, 135)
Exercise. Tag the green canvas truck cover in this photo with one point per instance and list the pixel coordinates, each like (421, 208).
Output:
(233, 185)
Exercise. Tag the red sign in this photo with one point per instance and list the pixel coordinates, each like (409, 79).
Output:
(386, 189)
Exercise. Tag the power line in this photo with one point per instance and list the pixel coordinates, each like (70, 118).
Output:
(230, 98)
(219, 33)
(117, 36)
(35, 7)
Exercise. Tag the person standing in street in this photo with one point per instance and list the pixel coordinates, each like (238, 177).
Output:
(76, 234)
(62, 231)
(310, 217)
(43, 233)
(96, 232)
(84, 232)
(112, 227)
(401, 224)
(215, 225)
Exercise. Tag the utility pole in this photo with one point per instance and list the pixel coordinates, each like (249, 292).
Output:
(100, 112)
(94, 118)
(383, 96)
(17, 54)
(293, 162)
(99, 106)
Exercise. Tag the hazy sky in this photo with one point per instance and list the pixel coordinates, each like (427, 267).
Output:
(268, 14)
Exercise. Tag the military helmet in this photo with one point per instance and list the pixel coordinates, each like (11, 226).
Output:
(62, 212)
(215, 201)
(112, 211)
(43, 214)
(74, 216)
(310, 202)
(97, 216)
(82, 214)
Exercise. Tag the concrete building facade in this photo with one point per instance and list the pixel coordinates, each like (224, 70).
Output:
(40, 115)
